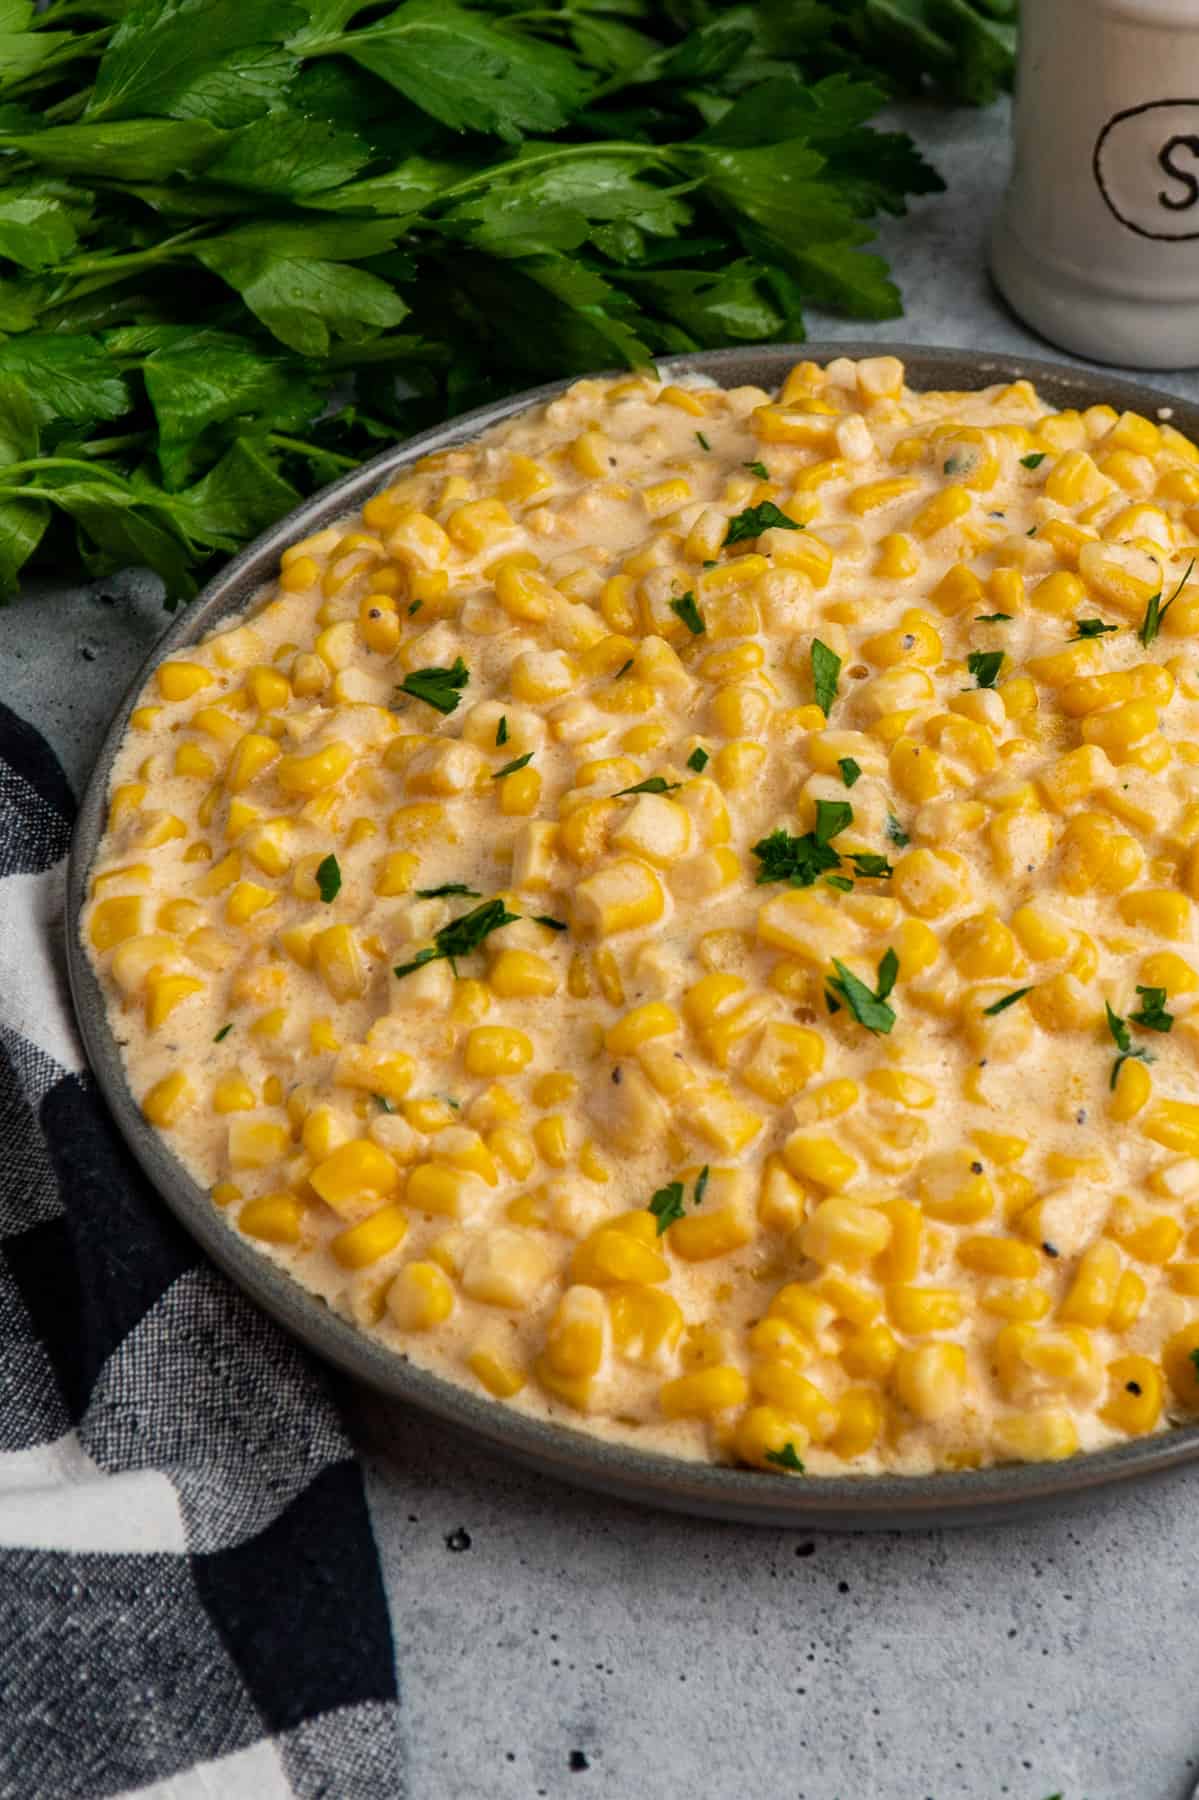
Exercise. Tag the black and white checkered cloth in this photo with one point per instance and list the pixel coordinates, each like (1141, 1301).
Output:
(190, 1598)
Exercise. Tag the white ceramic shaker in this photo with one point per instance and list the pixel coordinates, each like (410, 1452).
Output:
(1096, 243)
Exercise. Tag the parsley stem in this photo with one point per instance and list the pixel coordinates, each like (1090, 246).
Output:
(129, 259)
(290, 443)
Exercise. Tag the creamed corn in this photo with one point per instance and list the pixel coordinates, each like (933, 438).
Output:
(682, 916)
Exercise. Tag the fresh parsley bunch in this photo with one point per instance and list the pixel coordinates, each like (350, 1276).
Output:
(218, 218)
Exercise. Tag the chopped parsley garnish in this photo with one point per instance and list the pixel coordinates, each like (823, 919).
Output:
(992, 618)
(869, 1009)
(826, 667)
(448, 887)
(1155, 612)
(985, 665)
(461, 936)
(802, 860)
(1002, 1005)
(667, 1205)
(842, 883)
(382, 1101)
(501, 732)
(896, 832)
(686, 610)
(623, 669)
(328, 879)
(709, 563)
(549, 919)
(1123, 1041)
(703, 442)
(415, 608)
(871, 865)
(518, 762)
(832, 817)
(654, 784)
(850, 770)
(1035, 459)
(698, 760)
(1091, 628)
(1195, 1360)
(701, 1185)
(956, 465)
(786, 1458)
(1153, 1015)
(439, 688)
(759, 469)
(223, 1033)
(755, 520)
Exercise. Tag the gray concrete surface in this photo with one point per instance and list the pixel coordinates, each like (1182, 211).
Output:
(552, 1644)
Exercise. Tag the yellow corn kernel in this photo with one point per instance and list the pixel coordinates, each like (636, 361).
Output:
(654, 1019)
(1043, 1436)
(421, 1297)
(574, 1339)
(318, 770)
(166, 1102)
(646, 1324)
(251, 755)
(1134, 1397)
(1162, 910)
(522, 974)
(396, 873)
(339, 962)
(256, 1143)
(1175, 1125)
(930, 1379)
(945, 508)
(497, 1050)
(870, 1352)
(715, 1231)
(781, 1384)
(1090, 1296)
(233, 1093)
(370, 1239)
(821, 1160)
(1131, 1091)
(1097, 857)
(623, 896)
(112, 921)
(930, 882)
(355, 1176)
(498, 1371)
(859, 1421)
(783, 1061)
(843, 1231)
(180, 680)
(767, 1439)
(900, 1260)
(1003, 1256)
(273, 1218)
(918, 1310)
(247, 898)
(703, 1393)
(872, 496)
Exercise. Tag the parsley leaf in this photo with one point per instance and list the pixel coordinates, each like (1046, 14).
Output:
(223, 1033)
(667, 1205)
(1007, 1000)
(1034, 459)
(689, 613)
(759, 469)
(698, 760)
(798, 860)
(501, 732)
(985, 665)
(510, 768)
(1155, 612)
(896, 832)
(448, 887)
(826, 668)
(328, 879)
(440, 688)
(786, 1458)
(1090, 628)
(703, 442)
(701, 1185)
(992, 618)
(1123, 1041)
(850, 770)
(623, 669)
(755, 520)
(870, 864)
(654, 784)
(381, 1101)
(461, 936)
(549, 919)
(869, 1009)
(1153, 1014)
(832, 817)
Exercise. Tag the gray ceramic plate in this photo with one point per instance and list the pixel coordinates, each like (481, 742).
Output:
(883, 1502)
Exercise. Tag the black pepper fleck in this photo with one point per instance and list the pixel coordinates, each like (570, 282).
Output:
(976, 1168)
(617, 1077)
(1080, 1117)
(457, 1540)
(1050, 1249)
(1132, 1387)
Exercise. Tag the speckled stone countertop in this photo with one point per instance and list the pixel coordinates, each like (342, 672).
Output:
(554, 1644)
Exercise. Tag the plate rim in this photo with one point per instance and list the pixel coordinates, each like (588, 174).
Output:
(617, 1469)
